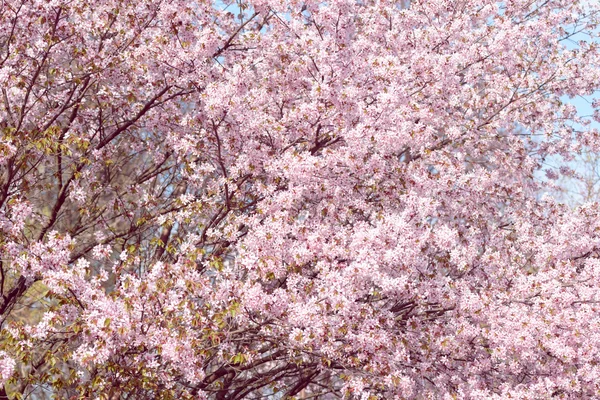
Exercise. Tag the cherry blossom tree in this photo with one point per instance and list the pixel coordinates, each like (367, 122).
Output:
(295, 199)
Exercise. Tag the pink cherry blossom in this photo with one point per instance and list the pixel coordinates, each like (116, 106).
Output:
(285, 199)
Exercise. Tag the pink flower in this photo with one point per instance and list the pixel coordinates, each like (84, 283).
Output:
(7, 366)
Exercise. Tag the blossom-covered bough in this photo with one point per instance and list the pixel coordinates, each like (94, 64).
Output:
(295, 199)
